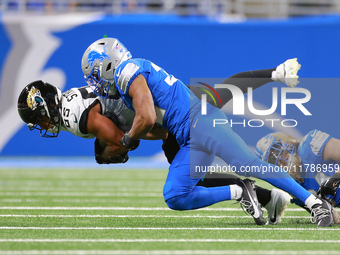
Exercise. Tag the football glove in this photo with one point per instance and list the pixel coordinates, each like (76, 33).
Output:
(129, 143)
(98, 150)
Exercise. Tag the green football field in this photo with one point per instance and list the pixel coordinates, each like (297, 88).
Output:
(94, 211)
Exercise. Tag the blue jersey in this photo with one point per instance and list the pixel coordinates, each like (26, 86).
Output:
(171, 97)
(315, 170)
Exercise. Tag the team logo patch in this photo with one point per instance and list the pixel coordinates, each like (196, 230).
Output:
(34, 98)
(94, 55)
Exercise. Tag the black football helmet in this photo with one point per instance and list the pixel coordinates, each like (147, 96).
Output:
(40, 103)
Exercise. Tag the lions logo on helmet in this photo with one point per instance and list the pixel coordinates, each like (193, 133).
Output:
(96, 55)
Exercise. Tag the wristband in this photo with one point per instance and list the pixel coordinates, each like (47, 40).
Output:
(129, 143)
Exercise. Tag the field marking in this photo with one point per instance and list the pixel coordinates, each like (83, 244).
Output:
(73, 189)
(47, 240)
(82, 194)
(125, 208)
(134, 216)
(168, 252)
(172, 228)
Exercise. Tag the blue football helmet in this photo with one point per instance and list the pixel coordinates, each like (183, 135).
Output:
(99, 63)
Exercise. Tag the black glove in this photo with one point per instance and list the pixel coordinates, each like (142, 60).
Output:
(329, 187)
(98, 150)
(122, 158)
(129, 143)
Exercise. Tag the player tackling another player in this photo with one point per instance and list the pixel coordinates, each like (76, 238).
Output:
(157, 103)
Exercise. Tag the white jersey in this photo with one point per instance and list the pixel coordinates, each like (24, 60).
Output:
(76, 104)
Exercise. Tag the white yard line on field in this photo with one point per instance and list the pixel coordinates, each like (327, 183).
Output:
(81, 194)
(123, 208)
(134, 216)
(168, 252)
(28, 240)
(171, 228)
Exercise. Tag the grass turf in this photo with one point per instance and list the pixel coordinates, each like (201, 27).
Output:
(93, 211)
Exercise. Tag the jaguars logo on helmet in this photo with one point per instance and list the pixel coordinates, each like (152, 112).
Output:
(39, 103)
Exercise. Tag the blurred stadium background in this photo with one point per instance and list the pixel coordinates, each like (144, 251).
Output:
(189, 38)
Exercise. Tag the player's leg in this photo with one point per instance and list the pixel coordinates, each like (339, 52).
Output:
(218, 179)
(275, 201)
(223, 142)
(243, 80)
(285, 72)
(182, 193)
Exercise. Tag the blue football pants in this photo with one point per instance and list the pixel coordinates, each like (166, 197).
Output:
(189, 165)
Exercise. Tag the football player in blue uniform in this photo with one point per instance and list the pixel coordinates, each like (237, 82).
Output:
(158, 98)
(42, 106)
(313, 162)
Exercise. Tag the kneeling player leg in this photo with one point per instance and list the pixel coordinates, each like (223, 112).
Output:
(180, 190)
(218, 179)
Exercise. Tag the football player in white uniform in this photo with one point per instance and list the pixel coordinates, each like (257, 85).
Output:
(79, 111)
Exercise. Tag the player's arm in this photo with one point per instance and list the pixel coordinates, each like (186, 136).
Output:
(331, 151)
(106, 131)
(145, 117)
(156, 133)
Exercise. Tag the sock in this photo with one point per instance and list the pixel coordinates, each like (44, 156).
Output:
(263, 195)
(312, 200)
(235, 192)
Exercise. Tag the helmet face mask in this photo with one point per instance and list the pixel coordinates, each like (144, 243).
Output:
(280, 153)
(274, 150)
(99, 63)
(99, 86)
(46, 127)
(39, 107)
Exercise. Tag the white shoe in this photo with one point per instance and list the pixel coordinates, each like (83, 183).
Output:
(287, 72)
(276, 206)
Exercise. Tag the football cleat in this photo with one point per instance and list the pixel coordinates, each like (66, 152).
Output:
(322, 214)
(276, 206)
(287, 72)
(249, 202)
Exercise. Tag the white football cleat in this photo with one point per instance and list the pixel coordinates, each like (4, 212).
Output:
(287, 72)
(276, 206)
